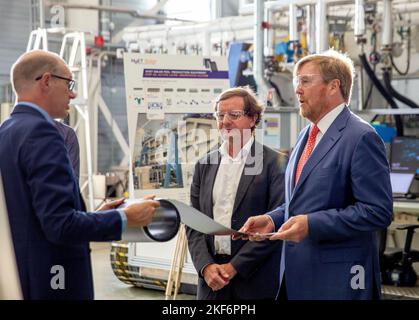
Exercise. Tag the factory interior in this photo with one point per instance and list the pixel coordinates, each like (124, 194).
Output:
(147, 74)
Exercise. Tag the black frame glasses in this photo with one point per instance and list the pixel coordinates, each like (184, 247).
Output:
(71, 82)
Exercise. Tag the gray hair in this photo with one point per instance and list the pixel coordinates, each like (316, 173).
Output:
(333, 65)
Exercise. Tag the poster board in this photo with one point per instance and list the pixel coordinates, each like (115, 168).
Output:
(169, 106)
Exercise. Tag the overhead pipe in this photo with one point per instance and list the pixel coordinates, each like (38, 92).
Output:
(132, 12)
(283, 4)
(134, 34)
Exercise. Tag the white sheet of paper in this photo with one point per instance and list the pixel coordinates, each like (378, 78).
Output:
(198, 221)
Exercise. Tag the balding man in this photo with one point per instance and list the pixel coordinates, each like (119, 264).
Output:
(50, 232)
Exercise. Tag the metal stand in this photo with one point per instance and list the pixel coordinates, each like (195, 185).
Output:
(178, 262)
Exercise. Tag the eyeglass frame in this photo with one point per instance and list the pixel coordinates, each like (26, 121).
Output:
(242, 113)
(71, 83)
(297, 83)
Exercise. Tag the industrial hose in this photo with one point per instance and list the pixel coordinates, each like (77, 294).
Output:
(383, 91)
(394, 93)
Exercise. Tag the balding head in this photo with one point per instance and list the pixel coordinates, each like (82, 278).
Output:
(33, 64)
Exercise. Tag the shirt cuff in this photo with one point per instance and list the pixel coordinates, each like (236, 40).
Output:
(123, 219)
(273, 223)
(202, 269)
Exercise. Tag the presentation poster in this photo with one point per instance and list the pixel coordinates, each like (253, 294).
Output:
(170, 100)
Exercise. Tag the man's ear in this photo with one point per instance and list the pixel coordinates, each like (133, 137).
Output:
(255, 116)
(45, 81)
(334, 86)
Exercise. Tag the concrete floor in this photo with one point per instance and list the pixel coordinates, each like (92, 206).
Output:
(109, 287)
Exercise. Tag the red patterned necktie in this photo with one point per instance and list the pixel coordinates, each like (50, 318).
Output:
(307, 151)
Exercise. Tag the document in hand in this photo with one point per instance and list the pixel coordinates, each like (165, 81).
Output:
(166, 221)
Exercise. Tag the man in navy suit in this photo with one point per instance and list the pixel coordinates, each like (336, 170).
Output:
(50, 231)
(337, 192)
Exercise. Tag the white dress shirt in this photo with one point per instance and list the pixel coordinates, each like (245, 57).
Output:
(225, 189)
(326, 122)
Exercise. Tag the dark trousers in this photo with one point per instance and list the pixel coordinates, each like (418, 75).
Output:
(282, 295)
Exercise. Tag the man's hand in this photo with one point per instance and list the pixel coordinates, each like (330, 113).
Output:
(230, 270)
(255, 225)
(111, 205)
(215, 276)
(294, 229)
(141, 214)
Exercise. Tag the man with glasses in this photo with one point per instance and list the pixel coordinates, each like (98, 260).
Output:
(338, 192)
(50, 231)
(240, 179)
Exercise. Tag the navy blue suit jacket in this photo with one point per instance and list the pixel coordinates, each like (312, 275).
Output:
(44, 205)
(345, 190)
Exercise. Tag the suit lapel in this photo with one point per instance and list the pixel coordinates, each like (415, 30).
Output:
(293, 161)
(215, 160)
(333, 134)
(295, 156)
(254, 163)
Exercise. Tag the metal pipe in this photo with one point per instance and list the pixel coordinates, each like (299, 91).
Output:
(311, 28)
(41, 14)
(269, 39)
(258, 51)
(361, 94)
(387, 34)
(293, 30)
(132, 12)
(134, 34)
(283, 5)
(258, 63)
(322, 41)
(359, 23)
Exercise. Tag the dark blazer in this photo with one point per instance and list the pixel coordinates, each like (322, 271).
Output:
(72, 144)
(44, 204)
(345, 190)
(261, 190)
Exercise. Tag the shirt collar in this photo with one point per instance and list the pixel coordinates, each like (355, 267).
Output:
(328, 119)
(39, 109)
(242, 153)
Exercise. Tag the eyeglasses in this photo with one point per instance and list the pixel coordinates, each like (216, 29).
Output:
(71, 82)
(232, 115)
(306, 80)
